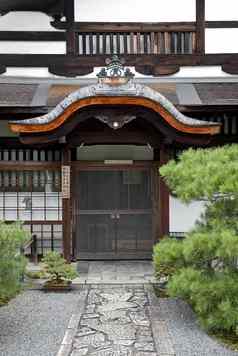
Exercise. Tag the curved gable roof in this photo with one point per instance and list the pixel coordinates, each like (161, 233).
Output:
(101, 94)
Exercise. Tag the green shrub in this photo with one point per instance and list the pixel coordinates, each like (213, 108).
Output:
(36, 274)
(213, 298)
(167, 257)
(57, 268)
(12, 264)
(203, 269)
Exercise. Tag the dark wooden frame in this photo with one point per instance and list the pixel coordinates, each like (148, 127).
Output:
(164, 196)
(72, 64)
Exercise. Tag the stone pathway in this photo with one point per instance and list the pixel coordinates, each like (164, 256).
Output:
(115, 322)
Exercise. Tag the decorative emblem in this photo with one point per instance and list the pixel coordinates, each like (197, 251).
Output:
(115, 121)
(115, 73)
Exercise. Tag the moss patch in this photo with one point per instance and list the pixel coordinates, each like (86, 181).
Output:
(36, 275)
(3, 301)
(228, 340)
(160, 292)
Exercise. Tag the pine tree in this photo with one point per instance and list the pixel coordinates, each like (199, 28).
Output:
(202, 268)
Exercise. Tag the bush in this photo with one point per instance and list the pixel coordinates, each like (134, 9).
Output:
(57, 268)
(36, 274)
(214, 298)
(167, 255)
(12, 264)
(202, 268)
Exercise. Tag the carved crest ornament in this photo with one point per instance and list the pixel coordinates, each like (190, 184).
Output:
(115, 73)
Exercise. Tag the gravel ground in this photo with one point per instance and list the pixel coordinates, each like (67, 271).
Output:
(34, 323)
(187, 337)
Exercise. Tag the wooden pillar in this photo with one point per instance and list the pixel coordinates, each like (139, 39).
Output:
(163, 197)
(66, 204)
(72, 38)
(200, 26)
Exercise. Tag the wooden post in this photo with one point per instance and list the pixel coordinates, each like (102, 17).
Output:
(66, 192)
(72, 38)
(200, 26)
(163, 197)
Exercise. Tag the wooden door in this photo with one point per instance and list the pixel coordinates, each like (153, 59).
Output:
(112, 210)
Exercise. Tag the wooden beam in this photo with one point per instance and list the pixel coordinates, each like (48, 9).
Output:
(72, 40)
(121, 137)
(66, 206)
(105, 27)
(31, 166)
(37, 36)
(163, 196)
(73, 62)
(200, 26)
(221, 24)
(26, 110)
(141, 26)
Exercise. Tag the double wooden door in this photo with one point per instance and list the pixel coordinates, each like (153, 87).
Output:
(112, 213)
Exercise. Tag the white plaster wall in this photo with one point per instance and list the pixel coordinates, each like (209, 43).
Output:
(25, 21)
(32, 47)
(135, 10)
(223, 45)
(182, 216)
(221, 10)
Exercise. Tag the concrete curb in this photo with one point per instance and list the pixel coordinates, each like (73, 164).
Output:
(67, 342)
(161, 336)
(80, 286)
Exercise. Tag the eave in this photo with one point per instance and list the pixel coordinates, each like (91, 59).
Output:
(132, 95)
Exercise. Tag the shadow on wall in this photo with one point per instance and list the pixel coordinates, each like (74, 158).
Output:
(182, 216)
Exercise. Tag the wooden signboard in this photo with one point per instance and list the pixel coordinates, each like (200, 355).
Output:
(66, 182)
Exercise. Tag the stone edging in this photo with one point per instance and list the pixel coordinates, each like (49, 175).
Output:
(162, 339)
(66, 345)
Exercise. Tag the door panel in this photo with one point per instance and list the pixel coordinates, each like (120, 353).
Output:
(96, 234)
(96, 190)
(134, 187)
(134, 233)
(113, 213)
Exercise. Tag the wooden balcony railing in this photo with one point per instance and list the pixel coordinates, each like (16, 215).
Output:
(127, 43)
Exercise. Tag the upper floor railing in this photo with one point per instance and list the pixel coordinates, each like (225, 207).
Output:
(134, 39)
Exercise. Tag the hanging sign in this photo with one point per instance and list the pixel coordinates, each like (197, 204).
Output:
(66, 182)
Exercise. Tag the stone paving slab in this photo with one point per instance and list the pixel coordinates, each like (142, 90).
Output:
(107, 272)
(115, 272)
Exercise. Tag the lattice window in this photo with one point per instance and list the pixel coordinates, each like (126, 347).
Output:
(29, 155)
(30, 195)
